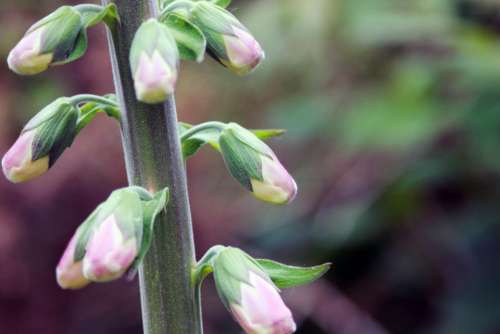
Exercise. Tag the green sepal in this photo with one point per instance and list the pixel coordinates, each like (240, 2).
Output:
(221, 3)
(77, 51)
(55, 128)
(64, 35)
(215, 22)
(83, 234)
(95, 14)
(231, 268)
(248, 138)
(212, 18)
(153, 36)
(126, 205)
(129, 213)
(243, 162)
(190, 40)
(151, 208)
(285, 276)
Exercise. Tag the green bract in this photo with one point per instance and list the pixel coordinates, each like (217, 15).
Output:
(232, 267)
(135, 211)
(63, 35)
(151, 37)
(55, 129)
(241, 151)
(190, 40)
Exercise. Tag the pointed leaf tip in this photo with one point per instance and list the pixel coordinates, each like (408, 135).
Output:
(285, 276)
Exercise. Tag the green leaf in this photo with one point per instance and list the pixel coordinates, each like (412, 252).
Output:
(268, 133)
(190, 40)
(221, 3)
(285, 276)
(152, 209)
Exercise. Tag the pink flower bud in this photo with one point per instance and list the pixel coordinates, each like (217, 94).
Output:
(261, 310)
(277, 186)
(17, 163)
(154, 78)
(68, 272)
(243, 52)
(26, 57)
(108, 253)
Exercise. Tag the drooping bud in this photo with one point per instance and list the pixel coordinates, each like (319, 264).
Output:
(154, 59)
(113, 240)
(255, 166)
(109, 252)
(69, 272)
(52, 40)
(229, 42)
(41, 142)
(249, 294)
(112, 237)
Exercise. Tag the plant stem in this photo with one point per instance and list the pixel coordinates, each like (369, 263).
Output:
(81, 98)
(154, 160)
(219, 126)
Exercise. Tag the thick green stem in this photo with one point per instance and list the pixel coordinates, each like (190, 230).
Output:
(154, 160)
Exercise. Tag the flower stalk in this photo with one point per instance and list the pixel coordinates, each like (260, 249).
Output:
(154, 161)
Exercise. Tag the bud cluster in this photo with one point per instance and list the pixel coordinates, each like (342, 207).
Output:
(111, 240)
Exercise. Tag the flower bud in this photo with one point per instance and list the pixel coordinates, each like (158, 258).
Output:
(255, 166)
(51, 40)
(250, 295)
(154, 59)
(17, 163)
(229, 42)
(69, 272)
(109, 252)
(41, 142)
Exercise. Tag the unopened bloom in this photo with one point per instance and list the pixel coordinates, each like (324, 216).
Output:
(250, 295)
(112, 240)
(109, 252)
(17, 163)
(69, 272)
(229, 42)
(41, 142)
(51, 40)
(261, 310)
(255, 165)
(154, 59)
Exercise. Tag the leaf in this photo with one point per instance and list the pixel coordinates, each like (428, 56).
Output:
(221, 3)
(285, 276)
(152, 209)
(190, 40)
(268, 133)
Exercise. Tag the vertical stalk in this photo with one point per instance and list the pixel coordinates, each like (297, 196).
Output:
(169, 300)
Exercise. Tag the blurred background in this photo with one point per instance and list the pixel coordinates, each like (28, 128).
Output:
(393, 116)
